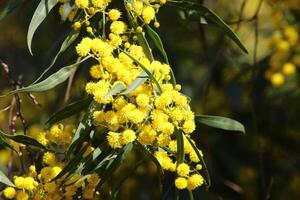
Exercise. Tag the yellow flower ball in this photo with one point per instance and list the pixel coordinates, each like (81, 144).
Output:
(181, 183)
(9, 192)
(183, 169)
(114, 14)
(277, 79)
(194, 181)
(148, 14)
(96, 71)
(289, 69)
(82, 3)
(118, 27)
(49, 158)
(113, 139)
(127, 136)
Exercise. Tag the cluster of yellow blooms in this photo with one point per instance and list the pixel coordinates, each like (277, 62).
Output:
(58, 134)
(150, 114)
(38, 186)
(284, 59)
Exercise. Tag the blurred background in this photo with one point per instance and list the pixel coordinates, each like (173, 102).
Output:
(260, 89)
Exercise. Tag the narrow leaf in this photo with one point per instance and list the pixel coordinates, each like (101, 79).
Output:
(221, 123)
(66, 43)
(5, 180)
(150, 155)
(158, 43)
(199, 13)
(72, 164)
(69, 110)
(52, 81)
(136, 83)
(180, 146)
(23, 139)
(117, 88)
(114, 164)
(39, 15)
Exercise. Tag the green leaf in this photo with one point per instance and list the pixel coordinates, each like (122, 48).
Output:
(220, 122)
(117, 88)
(83, 128)
(66, 43)
(72, 164)
(191, 195)
(180, 146)
(52, 81)
(5, 180)
(115, 163)
(10, 6)
(3, 143)
(23, 139)
(146, 151)
(197, 12)
(158, 43)
(136, 83)
(69, 110)
(39, 15)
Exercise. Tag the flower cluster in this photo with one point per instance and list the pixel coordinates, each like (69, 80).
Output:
(40, 184)
(151, 114)
(284, 59)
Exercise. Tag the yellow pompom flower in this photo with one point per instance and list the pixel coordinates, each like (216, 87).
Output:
(189, 126)
(21, 195)
(127, 136)
(96, 71)
(289, 69)
(277, 79)
(84, 47)
(181, 183)
(148, 14)
(114, 14)
(82, 3)
(183, 169)
(99, 3)
(142, 100)
(49, 158)
(9, 192)
(41, 138)
(194, 181)
(118, 27)
(100, 47)
(113, 139)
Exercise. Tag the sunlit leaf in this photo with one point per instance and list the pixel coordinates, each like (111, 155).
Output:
(66, 43)
(220, 122)
(52, 81)
(38, 17)
(23, 139)
(117, 88)
(158, 43)
(5, 180)
(180, 146)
